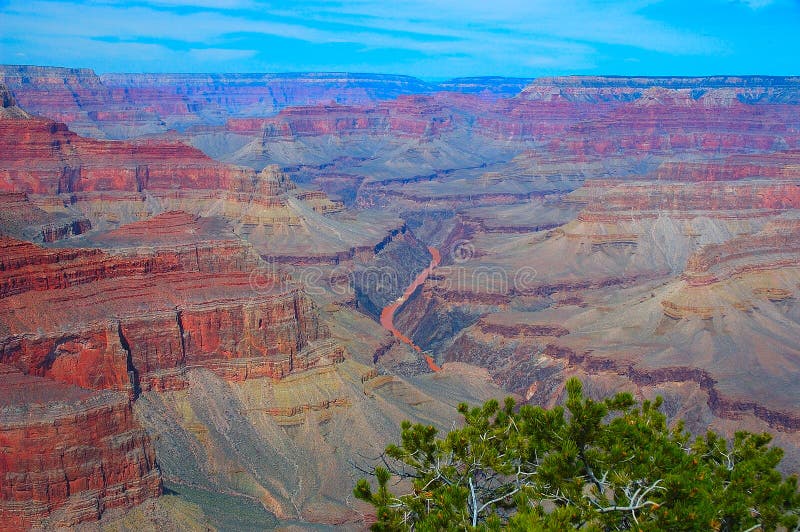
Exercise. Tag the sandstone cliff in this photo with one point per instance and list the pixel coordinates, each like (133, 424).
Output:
(68, 454)
(129, 105)
(176, 294)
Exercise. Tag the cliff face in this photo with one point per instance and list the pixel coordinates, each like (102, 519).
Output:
(193, 303)
(405, 116)
(8, 105)
(68, 454)
(175, 294)
(127, 105)
(43, 157)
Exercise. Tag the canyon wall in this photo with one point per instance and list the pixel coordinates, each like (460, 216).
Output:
(639, 233)
(116, 326)
(129, 105)
(69, 454)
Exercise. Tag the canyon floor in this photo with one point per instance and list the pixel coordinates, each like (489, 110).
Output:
(220, 296)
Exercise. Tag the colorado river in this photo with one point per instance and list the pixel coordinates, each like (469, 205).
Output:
(387, 314)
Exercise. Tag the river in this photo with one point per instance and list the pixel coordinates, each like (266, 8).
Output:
(387, 314)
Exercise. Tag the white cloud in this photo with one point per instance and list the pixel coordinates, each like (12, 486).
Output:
(578, 20)
(521, 35)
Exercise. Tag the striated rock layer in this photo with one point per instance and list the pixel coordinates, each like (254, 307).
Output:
(43, 157)
(127, 105)
(69, 454)
(85, 184)
(135, 320)
(639, 233)
(84, 331)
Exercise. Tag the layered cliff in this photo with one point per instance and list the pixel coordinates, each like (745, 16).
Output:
(38, 156)
(177, 292)
(407, 116)
(136, 319)
(69, 454)
(85, 183)
(129, 105)
(739, 275)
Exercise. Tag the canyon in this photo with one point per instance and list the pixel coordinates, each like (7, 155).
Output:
(219, 294)
(387, 313)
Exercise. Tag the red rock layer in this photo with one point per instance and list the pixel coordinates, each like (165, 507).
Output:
(406, 116)
(610, 202)
(776, 165)
(82, 331)
(51, 473)
(152, 309)
(204, 322)
(25, 266)
(59, 90)
(42, 157)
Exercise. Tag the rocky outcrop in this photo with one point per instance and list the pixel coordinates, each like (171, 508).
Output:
(223, 304)
(8, 105)
(68, 454)
(6, 99)
(406, 116)
(21, 218)
(177, 293)
(777, 246)
(739, 275)
(44, 157)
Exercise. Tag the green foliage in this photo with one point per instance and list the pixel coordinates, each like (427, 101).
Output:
(596, 465)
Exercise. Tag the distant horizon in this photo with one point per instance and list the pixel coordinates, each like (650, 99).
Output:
(399, 75)
(424, 39)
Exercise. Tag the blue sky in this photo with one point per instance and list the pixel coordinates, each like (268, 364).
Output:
(424, 38)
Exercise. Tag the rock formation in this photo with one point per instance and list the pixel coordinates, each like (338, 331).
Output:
(640, 233)
(69, 453)
(129, 105)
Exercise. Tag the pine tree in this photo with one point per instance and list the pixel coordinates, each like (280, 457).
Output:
(594, 465)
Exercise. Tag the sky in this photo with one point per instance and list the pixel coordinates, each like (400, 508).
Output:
(423, 38)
